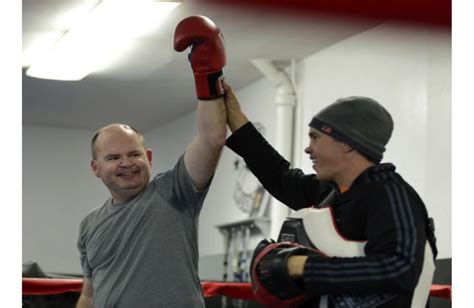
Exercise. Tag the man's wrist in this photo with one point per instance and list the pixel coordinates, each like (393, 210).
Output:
(218, 99)
(295, 266)
(236, 121)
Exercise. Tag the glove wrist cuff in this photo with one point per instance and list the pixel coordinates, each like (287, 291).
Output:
(209, 85)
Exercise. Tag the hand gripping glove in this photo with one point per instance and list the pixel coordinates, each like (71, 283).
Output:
(207, 55)
(271, 283)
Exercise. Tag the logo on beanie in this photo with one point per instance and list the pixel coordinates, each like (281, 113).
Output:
(326, 129)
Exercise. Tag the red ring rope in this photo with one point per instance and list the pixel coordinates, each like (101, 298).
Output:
(239, 290)
(435, 12)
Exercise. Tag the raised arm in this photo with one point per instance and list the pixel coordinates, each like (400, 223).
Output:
(289, 185)
(203, 153)
(207, 59)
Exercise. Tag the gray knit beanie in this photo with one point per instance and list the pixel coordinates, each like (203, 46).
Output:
(361, 122)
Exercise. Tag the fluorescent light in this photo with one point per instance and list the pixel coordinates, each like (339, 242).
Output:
(101, 38)
(73, 14)
(36, 44)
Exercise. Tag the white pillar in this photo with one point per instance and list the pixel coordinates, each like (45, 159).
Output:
(285, 101)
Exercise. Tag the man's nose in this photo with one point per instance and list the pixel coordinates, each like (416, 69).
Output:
(125, 162)
(307, 150)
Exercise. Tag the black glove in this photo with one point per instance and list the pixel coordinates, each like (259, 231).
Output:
(272, 285)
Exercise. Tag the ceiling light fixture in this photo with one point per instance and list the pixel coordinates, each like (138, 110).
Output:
(100, 39)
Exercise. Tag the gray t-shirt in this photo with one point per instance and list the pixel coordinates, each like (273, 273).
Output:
(144, 252)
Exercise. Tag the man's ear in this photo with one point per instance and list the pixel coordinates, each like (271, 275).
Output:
(95, 167)
(149, 155)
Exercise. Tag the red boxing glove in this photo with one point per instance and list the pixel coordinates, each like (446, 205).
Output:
(207, 55)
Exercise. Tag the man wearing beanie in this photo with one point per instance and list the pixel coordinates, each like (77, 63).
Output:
(371, 204)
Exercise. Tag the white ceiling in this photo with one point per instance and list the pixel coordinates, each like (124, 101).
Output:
(154, 84)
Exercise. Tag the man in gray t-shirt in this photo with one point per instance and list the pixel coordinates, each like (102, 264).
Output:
(143, 252)
(139, 249)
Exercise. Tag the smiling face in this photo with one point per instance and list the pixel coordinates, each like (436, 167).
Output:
(327, 155)
(121, 162)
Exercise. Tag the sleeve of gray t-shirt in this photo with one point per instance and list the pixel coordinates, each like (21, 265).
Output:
(177, 187)
(86, 268)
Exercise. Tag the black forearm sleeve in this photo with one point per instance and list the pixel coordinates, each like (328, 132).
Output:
(290, 186)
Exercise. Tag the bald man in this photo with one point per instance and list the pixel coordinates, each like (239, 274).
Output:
(139, 249)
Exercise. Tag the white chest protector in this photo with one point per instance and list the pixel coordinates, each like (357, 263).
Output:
(317, 228)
